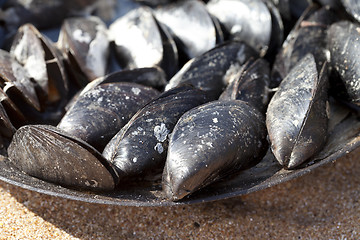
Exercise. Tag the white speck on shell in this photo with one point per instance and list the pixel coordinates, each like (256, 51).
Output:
(161, 132)
(159, 148)
(136, 91)
(81, 36)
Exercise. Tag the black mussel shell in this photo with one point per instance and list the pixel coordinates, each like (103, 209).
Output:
(35, 78)
(43, 14)
(198, 36)
(141, 145)
(151, 77)
(140, 42)
(207, 72)
(298, 7)
(47, 153)
(16, 117)
(308, 36)
(210, 142)
(44, 64)
(247, 20)
(250, 84)
(170, 63)
(344, 46)
(277, 31)
(27, 49)
(331, 3)
(86, 43)
(16, 82)
(6, 127)
(220, 34)
(137, 39)
(297, 117)
(353, 8)
(98, 114)
(154, 3)
(291, 10)
(284, 9)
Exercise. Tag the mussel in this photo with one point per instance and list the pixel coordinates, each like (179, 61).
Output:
(85, 41)
(343, 43)
(44, 65)
(98, 114)
(307, 36)
(250, 84)
(15, 115)
(352, 7)
(151, 77)
(53, 155)
(15, 81)
(140, 41)
(208, 71)
(212, 141)
(199, 35)
(43, 14)
(6, 127)
(297, 115)
(140, 147)
(257, 23)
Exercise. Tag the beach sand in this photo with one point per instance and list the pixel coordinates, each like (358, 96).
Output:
(323, 204)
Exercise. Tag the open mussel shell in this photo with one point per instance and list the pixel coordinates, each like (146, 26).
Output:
(34, 77)
(198, 36)
(207, 72)
(85, 41)
(343, 43)
(28, 51)
(98, 114)
(16, 82)
(297, 117)
(47, 153)
(43, 63)
(211, 141)
(141, 145)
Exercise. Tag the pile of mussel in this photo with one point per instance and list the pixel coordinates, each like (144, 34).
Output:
(185, 92)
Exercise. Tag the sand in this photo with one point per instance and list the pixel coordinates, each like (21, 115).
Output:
(323, 204)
